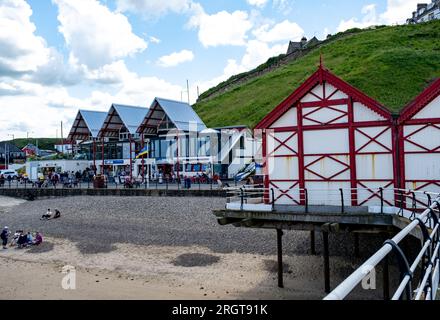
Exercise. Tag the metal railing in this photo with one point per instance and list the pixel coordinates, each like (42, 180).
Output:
(427, 259)
(163, 184)
(400, 199)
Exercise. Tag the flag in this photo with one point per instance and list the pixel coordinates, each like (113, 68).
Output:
(143, 152)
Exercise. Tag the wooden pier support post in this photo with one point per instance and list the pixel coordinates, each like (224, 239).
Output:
(325, 232)
(280, 258)
(356, 245)
(312, 243)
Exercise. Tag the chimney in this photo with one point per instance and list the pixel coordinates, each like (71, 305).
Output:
(422, 6)
(303, 42)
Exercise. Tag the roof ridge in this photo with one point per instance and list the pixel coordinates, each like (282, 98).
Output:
(128, 106)
(176, 101)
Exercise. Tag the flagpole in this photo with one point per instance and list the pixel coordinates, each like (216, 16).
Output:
(143, 160)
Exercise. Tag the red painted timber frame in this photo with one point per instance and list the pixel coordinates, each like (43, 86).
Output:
(407, 119)
(319, 77)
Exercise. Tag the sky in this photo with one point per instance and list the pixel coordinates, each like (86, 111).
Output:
(59, 56)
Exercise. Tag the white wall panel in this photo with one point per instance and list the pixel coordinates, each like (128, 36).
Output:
(385, 139)
(326, 141)
(329, 90)
(327, 193)
(283, 168)
(289, 119)
(279, 148)
(365, 114)
(285, 194)
(428, 138)
(422, 166)
(376, 166)
(318, 91)
(325, 115)
(327, 168)
(432, 110)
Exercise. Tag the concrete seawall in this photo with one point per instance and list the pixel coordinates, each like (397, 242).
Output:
(32, 194)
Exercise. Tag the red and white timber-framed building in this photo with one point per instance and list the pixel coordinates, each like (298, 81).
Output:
(325, 136)
(419, 141)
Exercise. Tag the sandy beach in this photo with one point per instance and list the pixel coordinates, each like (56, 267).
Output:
(157, 248)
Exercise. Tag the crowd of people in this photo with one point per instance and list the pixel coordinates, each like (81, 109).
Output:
(66, 179)
(23, 239)
(20, 239)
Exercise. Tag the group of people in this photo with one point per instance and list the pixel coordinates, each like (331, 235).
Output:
(21, 239)
(67, 179)
(50, 215)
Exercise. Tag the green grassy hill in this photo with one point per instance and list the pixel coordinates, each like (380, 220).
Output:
(390, 64)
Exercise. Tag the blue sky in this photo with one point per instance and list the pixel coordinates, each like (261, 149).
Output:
(58, 56)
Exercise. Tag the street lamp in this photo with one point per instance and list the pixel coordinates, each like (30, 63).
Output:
(8, 151)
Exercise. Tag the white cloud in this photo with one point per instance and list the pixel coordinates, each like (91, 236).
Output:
(95, 35)
(397, 12)
(155, 40)
(369, 19)
(258, 3)
(222, 28)
(20, 49)
(154, 8)
(176, 58)
(283, 31)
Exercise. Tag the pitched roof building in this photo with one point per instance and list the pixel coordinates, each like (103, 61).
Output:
(87, 125)
(426, 12)
(303, 44)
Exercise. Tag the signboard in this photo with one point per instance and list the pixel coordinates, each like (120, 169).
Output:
(115, 162)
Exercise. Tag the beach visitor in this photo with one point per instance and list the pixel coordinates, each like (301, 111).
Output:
(47, 216)
(38, 239)
(22, 241)
(57, 214)
(4, 237)
(30, 239)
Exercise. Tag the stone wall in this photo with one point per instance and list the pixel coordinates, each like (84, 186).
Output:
(33, 194)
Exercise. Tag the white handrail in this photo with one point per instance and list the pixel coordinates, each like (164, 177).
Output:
(347, 286)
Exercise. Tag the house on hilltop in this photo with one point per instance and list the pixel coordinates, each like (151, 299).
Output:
(303, 44)
(425, 12)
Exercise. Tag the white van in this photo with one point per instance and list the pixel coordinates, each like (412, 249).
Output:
(9, 173)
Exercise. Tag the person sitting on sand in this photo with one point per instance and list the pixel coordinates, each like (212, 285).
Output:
(38, 239)
(30, 239)
(47, 216)
(57, 214)
(22, 241)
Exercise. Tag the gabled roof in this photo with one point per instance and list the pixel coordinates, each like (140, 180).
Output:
(421, 101)
(320, 76)
(122, 116)
(180, 114)
(12, 148)
(87, 123)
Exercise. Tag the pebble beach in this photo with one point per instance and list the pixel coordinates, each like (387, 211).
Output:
(160, 248)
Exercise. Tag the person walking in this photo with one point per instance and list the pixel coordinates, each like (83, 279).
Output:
(4, 237)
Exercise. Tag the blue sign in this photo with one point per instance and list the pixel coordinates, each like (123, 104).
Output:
(114, 162)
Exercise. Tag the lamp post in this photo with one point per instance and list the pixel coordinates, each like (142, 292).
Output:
(8, 151)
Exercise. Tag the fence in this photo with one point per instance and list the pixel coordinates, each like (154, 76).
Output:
(163, 184)
(406, 203)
